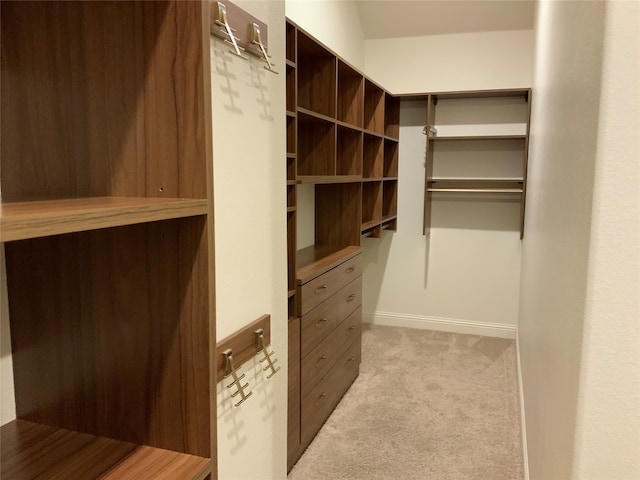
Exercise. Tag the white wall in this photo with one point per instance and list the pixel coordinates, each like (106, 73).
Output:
(250, 237)
(608, 417)
(465, 278)
(579, 310)
(465, 61)
(336, 23)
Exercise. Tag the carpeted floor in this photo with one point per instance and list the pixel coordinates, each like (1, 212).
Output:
(427, 405)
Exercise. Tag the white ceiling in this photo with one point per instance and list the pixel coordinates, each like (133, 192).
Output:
(411, 18)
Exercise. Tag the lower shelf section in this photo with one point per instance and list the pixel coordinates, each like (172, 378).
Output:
(32, 450)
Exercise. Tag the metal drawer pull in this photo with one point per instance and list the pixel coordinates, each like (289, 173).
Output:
(321, 322)
(351, 297)
(321, 289)
(351, 269)
(351, 359)
(351, 328)
(320, 398)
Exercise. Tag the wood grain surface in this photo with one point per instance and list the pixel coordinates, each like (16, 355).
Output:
(23, 220)
(73, 455)
(110, 333)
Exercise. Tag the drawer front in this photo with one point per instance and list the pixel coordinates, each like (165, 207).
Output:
(348, 271)
(317, 363)
(317, 291)
(349, 298)
(321, 288)
(323, 398)
(317, 324)
(349, 331)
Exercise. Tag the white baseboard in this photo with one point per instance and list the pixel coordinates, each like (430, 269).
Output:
(523, 428)
(440, 324)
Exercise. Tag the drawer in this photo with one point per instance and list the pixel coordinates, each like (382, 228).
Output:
(317, 324)
(348, 271)
(317, 363)
(349, 298)
(348, 332)
(323, 398)
(321, 288)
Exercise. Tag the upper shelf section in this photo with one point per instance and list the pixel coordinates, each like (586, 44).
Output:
(331, 89)
(22, 220)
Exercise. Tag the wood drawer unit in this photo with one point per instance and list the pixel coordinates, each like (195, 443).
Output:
(330, 329)
(318, 362)
(324, 286)
(323, 398)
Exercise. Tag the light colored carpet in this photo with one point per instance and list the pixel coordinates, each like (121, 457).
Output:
(427, 405)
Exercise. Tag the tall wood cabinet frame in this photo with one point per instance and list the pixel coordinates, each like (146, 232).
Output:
(107, 224)
(342, 138)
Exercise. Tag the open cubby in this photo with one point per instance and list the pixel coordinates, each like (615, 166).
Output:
(391, 116)
(373, 107)
(291, 250)
(291, 134)
(373, 156)
(291, 42)
(291, 89)
(316, 68)
(291, 169)
(349, 151)
(316, 146)
(390, 158)
(389, 198)
(291, 195)
(337, 214)
(371, 203)
(109, 303)
(350, 95)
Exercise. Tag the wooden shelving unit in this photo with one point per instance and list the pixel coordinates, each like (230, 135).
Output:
(107, 222)
(504, 121)
(346, 130)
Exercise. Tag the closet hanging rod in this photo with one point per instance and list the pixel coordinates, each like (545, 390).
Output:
(475, 190)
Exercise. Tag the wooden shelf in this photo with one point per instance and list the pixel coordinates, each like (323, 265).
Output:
(477, 137)
(476, 180)
(314, 260)
(32, 450)
(369, 225)
(475, 190)
(326, 179)
(291, 113)
(291, 293)
(22, 220)
(366, 180)
(291, 64)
